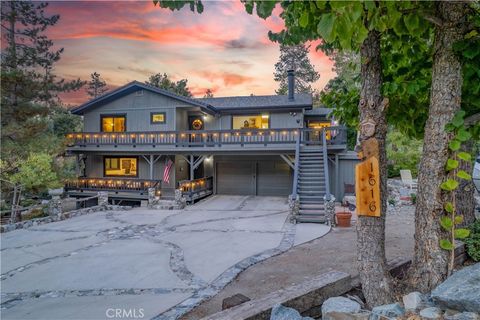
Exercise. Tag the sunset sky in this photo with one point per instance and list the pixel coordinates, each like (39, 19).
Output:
(224, 48)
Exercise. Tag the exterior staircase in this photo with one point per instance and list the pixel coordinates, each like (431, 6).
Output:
(311, 185)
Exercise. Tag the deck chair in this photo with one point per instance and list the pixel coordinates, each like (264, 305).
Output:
(407, 179)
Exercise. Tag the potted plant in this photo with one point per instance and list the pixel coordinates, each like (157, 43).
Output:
(344, 217)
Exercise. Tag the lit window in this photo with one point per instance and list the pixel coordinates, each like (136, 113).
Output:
(113, 123)
(157, 117)
(120, 167)
(320, 125)
(260, 121)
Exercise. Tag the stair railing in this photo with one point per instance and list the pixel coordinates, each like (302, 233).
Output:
(325, 165)
(297, 163)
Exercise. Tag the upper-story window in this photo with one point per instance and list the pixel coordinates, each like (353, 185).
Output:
(157, 117)
(113, 123)
(257, 121)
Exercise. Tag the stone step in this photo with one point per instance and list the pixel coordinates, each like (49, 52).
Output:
(311, 219)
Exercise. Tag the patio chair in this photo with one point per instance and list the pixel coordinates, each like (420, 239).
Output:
(407, 179)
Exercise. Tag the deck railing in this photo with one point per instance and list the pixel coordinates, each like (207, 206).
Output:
(208, 138)
(111, 184)
(196, 189)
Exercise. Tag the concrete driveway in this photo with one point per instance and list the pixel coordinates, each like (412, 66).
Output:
(141, 263)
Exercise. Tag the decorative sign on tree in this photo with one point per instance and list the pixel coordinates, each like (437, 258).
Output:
(367, 187)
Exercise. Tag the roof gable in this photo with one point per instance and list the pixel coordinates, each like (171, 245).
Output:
(133, 87)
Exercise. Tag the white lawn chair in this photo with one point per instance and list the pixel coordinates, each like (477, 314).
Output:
(408, 180)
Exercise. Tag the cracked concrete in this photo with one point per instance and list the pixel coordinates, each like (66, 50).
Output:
(165, 262)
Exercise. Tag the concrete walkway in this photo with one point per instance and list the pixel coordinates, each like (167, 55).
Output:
(141, 263)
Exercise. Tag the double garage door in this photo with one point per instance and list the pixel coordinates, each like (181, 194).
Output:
(261, 178)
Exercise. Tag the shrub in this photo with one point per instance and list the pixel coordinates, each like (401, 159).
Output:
(403, 152)
(36, 173)
(473, 241)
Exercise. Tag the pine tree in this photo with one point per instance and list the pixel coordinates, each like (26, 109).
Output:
(295, 57)
(162, 81)
(29, 87)
(96, 86)
(208, 94)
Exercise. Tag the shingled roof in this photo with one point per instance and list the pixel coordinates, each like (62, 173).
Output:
(135, 86)
(259, 102)
(209, 105)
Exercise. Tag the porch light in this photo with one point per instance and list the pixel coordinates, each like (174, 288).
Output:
(142, 135)
(204, 117)
(87, 136)
(95, 135)
(113, 136)
(132, 135)
(193, 135)
(237, 134)
(123, 136)
(182, 135)
(295, 132)
(284, 132)
(104, 135)
(260, 133)
(172, 135)
(214, 134)
(151, 136)
(249, 133)
(226, 134)
(70, 135)
(204, 134)
(79, 135)
(272, 133)
(162, 135)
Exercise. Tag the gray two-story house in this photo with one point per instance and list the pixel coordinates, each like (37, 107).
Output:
(138, 137)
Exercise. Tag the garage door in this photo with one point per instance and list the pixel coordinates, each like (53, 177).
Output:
(236, 178)
(274, 178)
(263, 178)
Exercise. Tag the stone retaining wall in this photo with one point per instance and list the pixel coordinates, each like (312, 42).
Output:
(53, 218)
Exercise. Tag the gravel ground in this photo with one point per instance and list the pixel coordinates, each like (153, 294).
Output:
(335, 251)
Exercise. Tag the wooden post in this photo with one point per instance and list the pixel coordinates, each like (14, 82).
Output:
(192, 173)
(151, 166)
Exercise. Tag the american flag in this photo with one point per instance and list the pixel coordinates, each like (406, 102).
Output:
(166, 171)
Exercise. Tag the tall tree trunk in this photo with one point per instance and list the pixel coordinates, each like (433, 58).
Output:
(376, 281)
(464, 195)
(13, 50)
(430, 261)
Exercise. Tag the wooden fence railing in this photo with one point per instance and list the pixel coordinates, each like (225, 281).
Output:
(209, 138)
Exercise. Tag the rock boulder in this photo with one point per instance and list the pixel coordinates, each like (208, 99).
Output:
(280, 312)
(461, 291)
(335, 307)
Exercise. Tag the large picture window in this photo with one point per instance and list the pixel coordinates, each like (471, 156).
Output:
(113, 123)
(120, 166)
(260, 121)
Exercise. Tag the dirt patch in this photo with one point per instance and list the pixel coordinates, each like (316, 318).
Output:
(335, 251)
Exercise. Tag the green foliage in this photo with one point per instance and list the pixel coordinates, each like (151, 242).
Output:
(473, 241)
(163, 81)
(295, 57)
(451, 164)
(403, 152)
(446, 244)
(36, 173)
(96, 86)
(446, 223)
(449, 185)
(461, 233)
(449, 221)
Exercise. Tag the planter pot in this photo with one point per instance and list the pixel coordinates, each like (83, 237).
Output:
(343, 219)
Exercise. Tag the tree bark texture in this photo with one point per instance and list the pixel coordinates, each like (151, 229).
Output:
(376, 281)
(429, 266)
